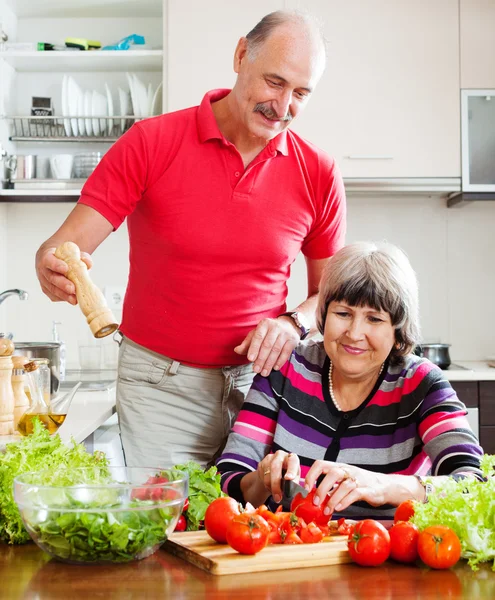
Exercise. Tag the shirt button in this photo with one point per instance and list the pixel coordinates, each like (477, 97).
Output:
(237, 174)
(346, 416)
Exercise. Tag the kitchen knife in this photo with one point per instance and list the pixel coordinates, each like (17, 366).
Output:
(290, 489)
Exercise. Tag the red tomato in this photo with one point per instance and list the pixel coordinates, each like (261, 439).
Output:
(404, 542)
(293, 538)
(369, 543)
(248, 533)
(218, 516)
(439, 547)
(344, 527)
(311, 534)
(404, 511)
(307, 511)
(186, 505)
(181, 524)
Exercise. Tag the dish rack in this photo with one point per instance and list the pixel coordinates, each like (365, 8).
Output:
(54, 128)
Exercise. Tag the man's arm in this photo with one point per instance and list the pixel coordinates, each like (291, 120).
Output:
(84, 226)
(271, 343)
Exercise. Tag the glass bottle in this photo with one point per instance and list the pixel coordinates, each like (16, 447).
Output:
(44, 377)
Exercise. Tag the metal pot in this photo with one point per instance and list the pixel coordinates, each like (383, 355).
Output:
(49, 350)
(438, 354)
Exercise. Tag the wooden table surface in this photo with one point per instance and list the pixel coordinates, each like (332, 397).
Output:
(27, 573)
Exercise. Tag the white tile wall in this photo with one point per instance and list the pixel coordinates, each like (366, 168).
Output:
(452, 251)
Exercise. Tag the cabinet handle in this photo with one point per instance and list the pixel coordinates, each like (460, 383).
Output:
(368, 157)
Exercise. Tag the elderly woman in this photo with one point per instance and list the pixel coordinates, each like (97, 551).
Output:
(357, 414)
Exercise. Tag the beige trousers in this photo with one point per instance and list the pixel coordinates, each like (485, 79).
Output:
(170, 413)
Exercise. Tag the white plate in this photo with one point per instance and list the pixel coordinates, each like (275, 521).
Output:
(88, 126)
(149, 99)
(72, 103)
(65, 107)
(109, 109)
(98, 109)
(157, 102)
(136, 109)
(141, 97)
(80, 111)
(125, 107)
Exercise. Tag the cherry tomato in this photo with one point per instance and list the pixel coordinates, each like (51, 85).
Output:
(439, 547)
(404, 511)
(181, 524)
(248, 533)
(186, 505)
(404, 542)
(218, 516)
(369, 543)
(307, 511)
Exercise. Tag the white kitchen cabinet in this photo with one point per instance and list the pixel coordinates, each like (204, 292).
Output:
(201, 39)
(24, 74)
(388, 104)
(477, 30)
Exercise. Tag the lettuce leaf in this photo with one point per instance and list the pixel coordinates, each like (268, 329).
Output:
(37, 451)
(204, 487)
(468, 507)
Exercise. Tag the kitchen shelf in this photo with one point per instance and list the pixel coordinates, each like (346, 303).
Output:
(463, 198)
(54, 128)
(92, 60)
(94, 9)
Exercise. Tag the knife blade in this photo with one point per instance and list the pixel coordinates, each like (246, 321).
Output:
(290, 489)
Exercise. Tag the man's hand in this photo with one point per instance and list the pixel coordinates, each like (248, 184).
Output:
(270, 344)
(52, 275)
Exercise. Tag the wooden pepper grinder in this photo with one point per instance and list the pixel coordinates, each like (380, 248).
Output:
(91, 301)
(6, 392)
(21, 400)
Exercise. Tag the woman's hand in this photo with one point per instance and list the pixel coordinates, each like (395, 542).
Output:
(345, 484)
(270, 471)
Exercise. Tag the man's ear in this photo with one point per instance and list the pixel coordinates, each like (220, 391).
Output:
(240, 53)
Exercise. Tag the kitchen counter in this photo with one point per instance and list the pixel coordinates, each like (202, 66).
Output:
(26, 572)
(89, 410)
(473, 371)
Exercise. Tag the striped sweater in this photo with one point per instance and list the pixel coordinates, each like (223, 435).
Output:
(411, 423)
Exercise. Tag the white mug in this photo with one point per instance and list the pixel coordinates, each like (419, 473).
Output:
(61, 166)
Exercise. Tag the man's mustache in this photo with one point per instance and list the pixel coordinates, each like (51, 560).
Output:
(269, 113)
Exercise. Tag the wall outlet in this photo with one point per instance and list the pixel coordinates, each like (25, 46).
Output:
(114, 295)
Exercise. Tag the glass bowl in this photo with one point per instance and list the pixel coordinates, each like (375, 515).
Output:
(101, 515)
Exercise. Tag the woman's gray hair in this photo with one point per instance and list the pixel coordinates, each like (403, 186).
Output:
(264, 28)
(378, 275)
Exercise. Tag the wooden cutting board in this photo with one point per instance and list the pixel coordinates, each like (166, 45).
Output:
(198, 548)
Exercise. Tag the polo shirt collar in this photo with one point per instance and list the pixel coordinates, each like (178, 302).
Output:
(208, 128)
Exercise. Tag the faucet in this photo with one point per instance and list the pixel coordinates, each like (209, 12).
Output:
(23, 295)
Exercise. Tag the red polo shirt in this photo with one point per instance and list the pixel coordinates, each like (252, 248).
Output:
(212, 243)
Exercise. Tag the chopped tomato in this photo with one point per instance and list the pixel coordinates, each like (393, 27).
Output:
(293, 538)
(307, 510)
(344, 527)
(311, 534)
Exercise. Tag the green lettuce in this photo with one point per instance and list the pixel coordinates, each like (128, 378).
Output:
(37, 451)
(204, 487)
(468, 507)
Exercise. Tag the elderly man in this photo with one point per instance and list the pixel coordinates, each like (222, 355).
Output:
(219, 201)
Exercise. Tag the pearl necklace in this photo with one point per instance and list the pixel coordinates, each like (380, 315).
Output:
(330, 386)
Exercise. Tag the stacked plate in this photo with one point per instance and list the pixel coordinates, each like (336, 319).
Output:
(89, 112)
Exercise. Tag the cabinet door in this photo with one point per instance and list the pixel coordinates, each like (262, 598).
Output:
(487, 402)
(388, 103)
(467, 392)
(477, 26)
(201, 39)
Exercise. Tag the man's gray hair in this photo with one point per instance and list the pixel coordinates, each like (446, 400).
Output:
(262, 30)
(378, 275)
